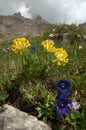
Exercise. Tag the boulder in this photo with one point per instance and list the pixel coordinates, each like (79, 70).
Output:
(13, 119)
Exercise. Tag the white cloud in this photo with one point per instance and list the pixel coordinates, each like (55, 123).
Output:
(54, 11)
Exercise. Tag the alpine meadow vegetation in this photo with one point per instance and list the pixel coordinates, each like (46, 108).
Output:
(46, 77)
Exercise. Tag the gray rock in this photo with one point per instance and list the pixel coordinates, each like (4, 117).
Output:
(14, 119)
(66, 38)
(84, 37)
(18, 26)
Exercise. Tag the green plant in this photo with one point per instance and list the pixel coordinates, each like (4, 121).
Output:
(73, 119)
(28, 81)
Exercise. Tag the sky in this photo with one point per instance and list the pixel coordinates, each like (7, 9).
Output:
(53, 11)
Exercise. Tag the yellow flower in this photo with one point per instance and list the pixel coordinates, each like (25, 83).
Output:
(48, 45)
(61, 56)
(20, 45)
(36, 57)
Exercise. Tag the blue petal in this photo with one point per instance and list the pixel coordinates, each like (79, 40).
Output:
(64, 99)
(64, 111)
(63, 91)
(69, 101)
(33, 48)
(63, 81)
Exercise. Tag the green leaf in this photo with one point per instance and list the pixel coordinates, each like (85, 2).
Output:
(40, 115)
(63, 127)
(3, 95)
(22, 89)
(28, 97)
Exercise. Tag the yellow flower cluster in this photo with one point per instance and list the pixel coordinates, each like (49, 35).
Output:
(48, 45)
(60, 54)
(20, 45)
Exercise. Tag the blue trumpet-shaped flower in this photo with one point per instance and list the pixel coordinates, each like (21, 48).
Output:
(63, 86)
(63, 105)
(33, 48)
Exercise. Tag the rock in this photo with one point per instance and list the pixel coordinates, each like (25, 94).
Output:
(14, 119)
(17, 26)
(83, 25)
(66, 38)
(84, 37)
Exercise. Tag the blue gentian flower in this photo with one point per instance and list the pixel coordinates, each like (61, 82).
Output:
(63, 86)
(33, 48)
(63, 105)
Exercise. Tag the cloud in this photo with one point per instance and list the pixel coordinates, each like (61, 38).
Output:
(54, 11)
(13, 6)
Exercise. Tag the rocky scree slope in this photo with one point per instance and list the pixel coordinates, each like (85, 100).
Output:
(16, 26)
